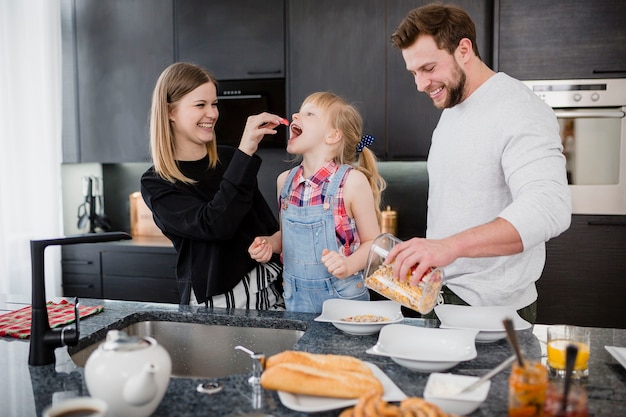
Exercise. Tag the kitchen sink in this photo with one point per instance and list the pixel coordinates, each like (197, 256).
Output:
(200, 350)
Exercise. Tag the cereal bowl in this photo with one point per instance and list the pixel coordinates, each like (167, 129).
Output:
(487, 320)
(444, 391)
(425, 349)
(360, 317)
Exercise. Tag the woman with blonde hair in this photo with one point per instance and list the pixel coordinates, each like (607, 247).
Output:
(205, 197)
(329, 206)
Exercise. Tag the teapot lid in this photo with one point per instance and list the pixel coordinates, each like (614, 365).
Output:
(118, 340)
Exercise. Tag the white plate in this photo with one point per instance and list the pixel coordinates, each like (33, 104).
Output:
(487, 320)
(335, 311)
(425, 349)
(619, 353)
(311, 404)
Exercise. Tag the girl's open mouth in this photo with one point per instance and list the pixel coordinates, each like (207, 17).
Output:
(295, 131)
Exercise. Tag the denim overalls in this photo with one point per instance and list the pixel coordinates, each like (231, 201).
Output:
(306, 232)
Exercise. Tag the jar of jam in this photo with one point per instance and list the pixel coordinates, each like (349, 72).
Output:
(527, 389)
(576, 401)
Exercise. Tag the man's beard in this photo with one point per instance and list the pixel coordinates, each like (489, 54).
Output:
(455, 91)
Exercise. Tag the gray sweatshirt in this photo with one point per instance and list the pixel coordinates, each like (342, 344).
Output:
(498, 154)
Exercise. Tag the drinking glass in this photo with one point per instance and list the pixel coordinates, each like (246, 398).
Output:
(559, 337)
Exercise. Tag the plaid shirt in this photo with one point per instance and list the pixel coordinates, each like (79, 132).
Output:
(312, 191)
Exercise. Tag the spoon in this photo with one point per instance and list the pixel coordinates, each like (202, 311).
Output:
(571, 351)
(245, 349)
(512, 338)
(489, 375)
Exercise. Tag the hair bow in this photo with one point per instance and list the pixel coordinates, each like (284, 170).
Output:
(366, 141)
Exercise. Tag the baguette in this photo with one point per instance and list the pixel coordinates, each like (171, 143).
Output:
(309, 380)
(319, 361)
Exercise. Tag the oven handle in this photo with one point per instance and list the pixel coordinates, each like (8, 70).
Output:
(239, 96)
(590, 113)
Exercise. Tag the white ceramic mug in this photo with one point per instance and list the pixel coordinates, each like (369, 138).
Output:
(77, 407)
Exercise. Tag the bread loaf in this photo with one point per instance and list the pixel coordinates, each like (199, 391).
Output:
(335, 376)
(320, 361)
(308, 380)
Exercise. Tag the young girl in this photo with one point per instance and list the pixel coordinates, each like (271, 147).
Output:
(329, 208)
(205, 197)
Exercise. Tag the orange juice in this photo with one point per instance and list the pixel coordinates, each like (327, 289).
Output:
(556, 354)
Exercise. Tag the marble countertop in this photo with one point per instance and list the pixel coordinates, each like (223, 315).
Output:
(26, 390)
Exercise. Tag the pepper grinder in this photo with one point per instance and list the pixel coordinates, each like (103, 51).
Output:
(389, 223)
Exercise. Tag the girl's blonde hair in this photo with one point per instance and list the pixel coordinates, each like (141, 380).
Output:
(347, 119)
(175, 81)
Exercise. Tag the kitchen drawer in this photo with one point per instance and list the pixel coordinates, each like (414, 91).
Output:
(82, 285)
(80, 259)
(118, 287)
(138, 264)
(583, 280)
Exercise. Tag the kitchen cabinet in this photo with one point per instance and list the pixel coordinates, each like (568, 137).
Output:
(114, 52)
(583, 280)
(340, 47)
(139, 276)
(561, 39)
(234, 40)
(120, 271)
(358, 62)
(81, 271)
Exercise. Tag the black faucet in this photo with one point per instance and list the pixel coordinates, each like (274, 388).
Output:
(43, 339)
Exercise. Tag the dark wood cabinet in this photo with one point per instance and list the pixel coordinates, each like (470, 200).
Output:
(411, 114)
(345, 47)
(139, 276)
(583, 280)
(119, 49)
(114, 51)
(561, 39)
(81, 271)
(235, 40)
(120, 271)
(340, 47)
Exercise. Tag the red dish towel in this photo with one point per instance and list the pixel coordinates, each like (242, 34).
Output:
(17, 323)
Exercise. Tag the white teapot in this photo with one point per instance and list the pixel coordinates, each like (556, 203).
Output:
(130, 374)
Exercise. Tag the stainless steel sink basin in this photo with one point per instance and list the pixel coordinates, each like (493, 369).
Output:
(207, 350)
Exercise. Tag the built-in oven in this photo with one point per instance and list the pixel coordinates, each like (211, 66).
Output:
(593, 132)
(238, 99)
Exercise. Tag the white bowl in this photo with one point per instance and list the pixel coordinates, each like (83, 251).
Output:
(425, 349)
(487, 320)
(443, 390)
(338, 311)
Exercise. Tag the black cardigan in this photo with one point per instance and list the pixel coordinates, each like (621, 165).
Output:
(211, 223)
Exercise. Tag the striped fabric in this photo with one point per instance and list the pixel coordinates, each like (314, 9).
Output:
(257, 291)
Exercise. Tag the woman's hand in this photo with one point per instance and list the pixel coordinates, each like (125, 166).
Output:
(335, 263)
(260, 249)
(258, 126)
